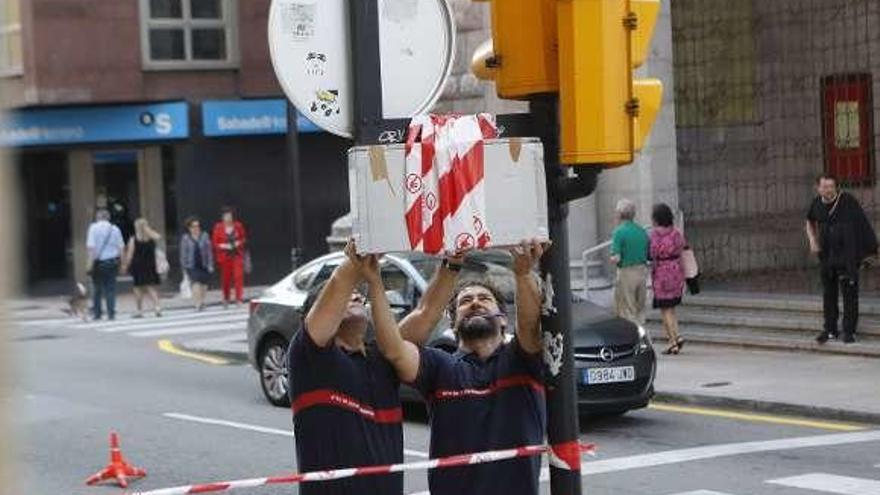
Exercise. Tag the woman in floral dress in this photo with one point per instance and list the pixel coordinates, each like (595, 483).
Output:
(666, 246)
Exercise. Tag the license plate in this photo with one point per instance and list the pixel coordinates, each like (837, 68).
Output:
(617, 374)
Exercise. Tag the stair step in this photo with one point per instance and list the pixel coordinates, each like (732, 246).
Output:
(766, 320)
(865, 345)
(805, 304)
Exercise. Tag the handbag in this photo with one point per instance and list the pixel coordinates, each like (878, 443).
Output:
(691, 270)
(185, 287)
(162, 265)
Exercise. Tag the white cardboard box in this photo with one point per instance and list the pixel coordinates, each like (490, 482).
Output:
(516, 194)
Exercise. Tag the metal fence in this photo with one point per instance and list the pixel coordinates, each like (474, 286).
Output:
(770, 93)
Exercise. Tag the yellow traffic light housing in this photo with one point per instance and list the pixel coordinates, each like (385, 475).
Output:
(522, 58)
(596, 103)
(586, 51)
(605, 115)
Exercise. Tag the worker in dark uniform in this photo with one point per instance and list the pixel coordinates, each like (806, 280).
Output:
(489, 394)
(344, 394)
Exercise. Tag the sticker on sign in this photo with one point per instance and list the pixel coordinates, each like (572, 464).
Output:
(309, 41)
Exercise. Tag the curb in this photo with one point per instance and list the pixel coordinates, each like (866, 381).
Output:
(762, 406)
(830, 349)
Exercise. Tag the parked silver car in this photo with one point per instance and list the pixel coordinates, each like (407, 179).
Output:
(618, 352)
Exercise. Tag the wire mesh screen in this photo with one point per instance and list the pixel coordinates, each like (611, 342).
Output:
(769, 94)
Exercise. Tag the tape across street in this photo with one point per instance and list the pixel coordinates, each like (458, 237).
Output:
(445, 462)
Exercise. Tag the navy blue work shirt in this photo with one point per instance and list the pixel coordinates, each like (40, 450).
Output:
(478, 405)
(346, 413)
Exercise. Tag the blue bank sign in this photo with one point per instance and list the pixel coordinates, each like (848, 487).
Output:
(101, 124)
(249, 117)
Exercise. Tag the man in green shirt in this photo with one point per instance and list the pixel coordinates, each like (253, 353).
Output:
(629, 252)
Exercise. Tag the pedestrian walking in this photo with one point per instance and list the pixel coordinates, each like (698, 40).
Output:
(230, 244)
(104, 243)
(344, 394)
(843, 238)
(629, 253)
(197, 259)
(667, 273)
(489, 394)
(140, 261)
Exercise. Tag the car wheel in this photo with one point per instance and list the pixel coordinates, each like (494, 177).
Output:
(273, 371)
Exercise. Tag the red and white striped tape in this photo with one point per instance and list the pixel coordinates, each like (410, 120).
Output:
(565, 456)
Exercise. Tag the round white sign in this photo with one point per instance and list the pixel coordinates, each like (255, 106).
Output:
(309, 45)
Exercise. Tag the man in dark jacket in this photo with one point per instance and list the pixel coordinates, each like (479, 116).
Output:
(843, 238)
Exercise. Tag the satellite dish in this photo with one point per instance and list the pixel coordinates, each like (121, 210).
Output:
(310, 50)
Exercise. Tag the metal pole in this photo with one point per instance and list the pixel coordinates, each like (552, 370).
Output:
(295, 203)
(562, 415)
(367, 68)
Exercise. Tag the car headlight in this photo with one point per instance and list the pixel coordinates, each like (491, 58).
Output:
(644, 340)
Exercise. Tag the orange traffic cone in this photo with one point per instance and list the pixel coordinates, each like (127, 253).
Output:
(118, 469)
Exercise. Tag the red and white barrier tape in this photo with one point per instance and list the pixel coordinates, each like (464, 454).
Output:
(561, 456)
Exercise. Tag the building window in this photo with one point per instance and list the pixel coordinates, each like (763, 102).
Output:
(189, 34)
(10, 38)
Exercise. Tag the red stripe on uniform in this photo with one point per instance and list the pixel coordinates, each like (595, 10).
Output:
(326, 397)
(504, 383)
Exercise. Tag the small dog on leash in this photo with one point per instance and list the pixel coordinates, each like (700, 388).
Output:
(78, 303)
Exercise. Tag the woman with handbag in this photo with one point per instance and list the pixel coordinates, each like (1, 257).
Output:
(197, 260)
(230, 249)
(142, 257)
(667, 274)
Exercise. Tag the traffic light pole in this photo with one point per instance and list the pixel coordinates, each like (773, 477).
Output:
(369, 127)
(561, 386)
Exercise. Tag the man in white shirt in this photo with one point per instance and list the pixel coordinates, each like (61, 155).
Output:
(105, 244)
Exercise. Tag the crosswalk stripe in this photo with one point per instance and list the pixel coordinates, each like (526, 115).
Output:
(120, 326)
(47, 321)
(162, 323)
(831, 483)
(166, 315)
(702, 492)
(188, 330)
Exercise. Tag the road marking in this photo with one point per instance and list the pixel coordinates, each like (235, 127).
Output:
(722, 450)
(702, 492)
(259, 429)
(757, 418)
(46, 321)
(170, 348)
(163, 322)
(831, 483)
(210, 327)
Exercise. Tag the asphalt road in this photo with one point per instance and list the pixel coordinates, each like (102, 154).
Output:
(187, 421)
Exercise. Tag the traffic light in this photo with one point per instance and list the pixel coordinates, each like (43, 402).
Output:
(648, 92)
(521, 58)
(586, 51)
(605, 115)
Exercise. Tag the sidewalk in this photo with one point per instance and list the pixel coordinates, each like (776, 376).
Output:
(797, 383)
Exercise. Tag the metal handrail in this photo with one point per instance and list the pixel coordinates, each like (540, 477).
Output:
(586, 254)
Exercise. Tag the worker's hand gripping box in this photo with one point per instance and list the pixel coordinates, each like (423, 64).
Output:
(513, 187)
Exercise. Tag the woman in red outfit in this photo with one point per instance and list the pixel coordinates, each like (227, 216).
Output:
(229, 246)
